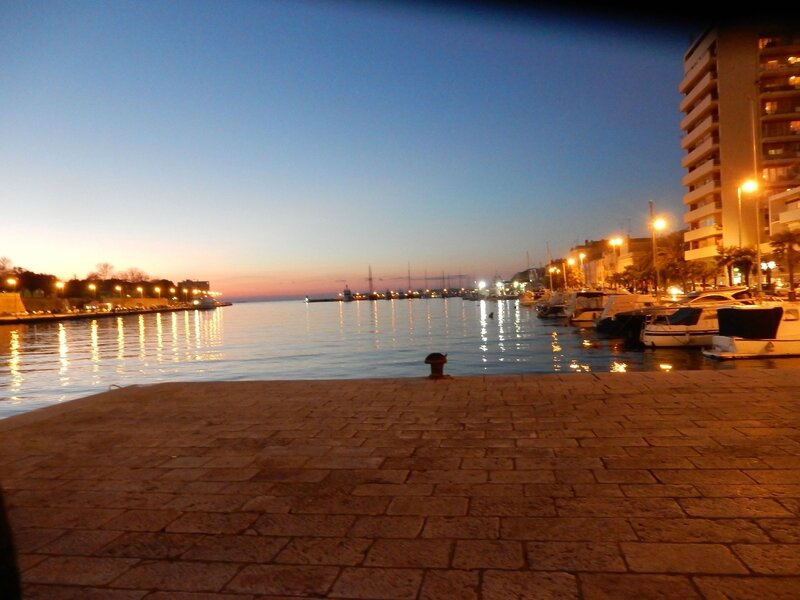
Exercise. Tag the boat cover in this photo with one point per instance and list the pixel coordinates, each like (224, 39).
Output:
(754, 323)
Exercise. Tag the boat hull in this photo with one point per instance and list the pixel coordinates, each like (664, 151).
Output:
(724, 347)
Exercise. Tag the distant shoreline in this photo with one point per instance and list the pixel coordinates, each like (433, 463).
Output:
(51, 317)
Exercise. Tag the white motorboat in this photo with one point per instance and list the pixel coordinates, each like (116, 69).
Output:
(629, 324)
(688, 326)
(527, 298)
(585, 307)
(761, 331)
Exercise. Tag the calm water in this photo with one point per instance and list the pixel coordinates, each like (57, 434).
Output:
(46, 364)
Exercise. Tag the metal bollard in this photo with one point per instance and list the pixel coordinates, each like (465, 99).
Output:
(437, 362)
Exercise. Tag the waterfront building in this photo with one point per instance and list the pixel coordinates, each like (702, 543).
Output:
(741, 106)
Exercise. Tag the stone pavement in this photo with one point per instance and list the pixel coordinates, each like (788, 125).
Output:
(595, 486)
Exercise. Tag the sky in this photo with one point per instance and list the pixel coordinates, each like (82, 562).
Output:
(288, 148)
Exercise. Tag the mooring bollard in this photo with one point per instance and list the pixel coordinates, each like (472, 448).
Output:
(436, 361)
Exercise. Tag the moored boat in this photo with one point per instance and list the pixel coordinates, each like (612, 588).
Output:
(628, 324)
(760, 331)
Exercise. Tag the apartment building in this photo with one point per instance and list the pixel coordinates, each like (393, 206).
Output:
(741, 106)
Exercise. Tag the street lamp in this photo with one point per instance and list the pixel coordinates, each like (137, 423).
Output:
(59, 287)
(581, 257)
(552, 270)
(615, 244)
(13, 283)
(656, 224)
(158, 291)
(140, 289)
(93, 287)
(749, 186)
(118, 289)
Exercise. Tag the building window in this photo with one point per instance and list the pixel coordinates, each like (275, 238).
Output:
(770, 108)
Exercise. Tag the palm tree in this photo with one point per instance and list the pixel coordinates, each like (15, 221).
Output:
(785, 245)
(744, 259)
(725, 259)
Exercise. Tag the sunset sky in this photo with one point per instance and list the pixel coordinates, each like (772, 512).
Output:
(281, 148)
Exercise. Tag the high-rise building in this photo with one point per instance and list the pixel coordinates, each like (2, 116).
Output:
(741, 105)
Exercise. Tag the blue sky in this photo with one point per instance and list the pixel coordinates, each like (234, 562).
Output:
(283, 148)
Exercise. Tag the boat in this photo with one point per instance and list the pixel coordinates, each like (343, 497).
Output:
(527, 298)
(687, 326)
(551, 305)
(585, 307)
(608, 325)
(628, 324)
(206, 303)
(760, 331)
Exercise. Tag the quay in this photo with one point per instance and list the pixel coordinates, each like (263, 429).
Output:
(15, 319)
(681, 485)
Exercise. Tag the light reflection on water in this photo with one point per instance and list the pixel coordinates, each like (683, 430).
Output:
(55, 362)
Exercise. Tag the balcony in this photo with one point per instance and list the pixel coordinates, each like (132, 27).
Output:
(701, 212)
(703, 128)
(703, 87)
(706, 106)
(702, 232)
(790, 218)
(701, 152)
(701, 192)
(697, 70)
(700, 172)
(701, 253)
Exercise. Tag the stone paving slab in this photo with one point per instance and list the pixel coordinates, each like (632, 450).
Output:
(589, 486)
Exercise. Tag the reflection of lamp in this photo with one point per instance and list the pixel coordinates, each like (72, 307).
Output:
(748, 186)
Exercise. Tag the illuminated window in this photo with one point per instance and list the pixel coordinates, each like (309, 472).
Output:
(794, 126)
(770, 108)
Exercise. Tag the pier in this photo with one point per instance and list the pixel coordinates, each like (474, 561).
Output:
(681, 485)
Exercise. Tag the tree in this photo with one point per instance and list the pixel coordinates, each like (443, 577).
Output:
(785, 246)
(103, 271)
(726, 255)
(134, 275)
(744, 259)
(5, 265)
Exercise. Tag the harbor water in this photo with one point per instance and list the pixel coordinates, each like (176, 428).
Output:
(45, 364)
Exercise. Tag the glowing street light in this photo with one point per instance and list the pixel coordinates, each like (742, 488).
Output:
(749, 186)
(13, 283)
(140, 289)
(93, 288)
(118, 289)
(656, 224)
(158, 291)
(59, 288)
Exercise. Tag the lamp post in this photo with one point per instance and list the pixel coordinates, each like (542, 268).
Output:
(552, 270)
(581, 257)
(749, 186)
(59, 287)
(564, 272)
(615, 244)
(140, 289)
(656, 224)
(13, 283)
(158, 291)
(118, 289)
(93, 288)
